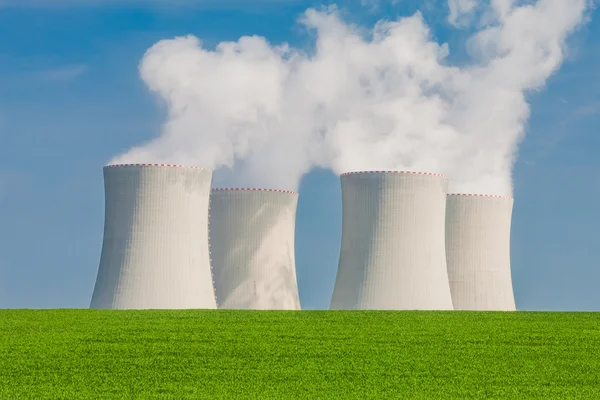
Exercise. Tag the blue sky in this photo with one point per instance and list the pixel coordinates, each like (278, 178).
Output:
(71, 99)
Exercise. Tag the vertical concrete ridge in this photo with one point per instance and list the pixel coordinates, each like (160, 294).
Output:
(252, 248)
(392, 253)
(478, 252)
(155, 252)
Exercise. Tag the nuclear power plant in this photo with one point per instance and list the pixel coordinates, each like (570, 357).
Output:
(478, 251)
(155, 252)
(252, 248)
(170, 242)
(392, 255)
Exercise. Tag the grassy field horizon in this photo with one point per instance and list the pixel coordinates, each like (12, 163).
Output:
(220, 354)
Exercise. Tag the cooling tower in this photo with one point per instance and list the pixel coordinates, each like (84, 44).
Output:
(252, 248)
(155, 252)
(393, 254)
(478, 252)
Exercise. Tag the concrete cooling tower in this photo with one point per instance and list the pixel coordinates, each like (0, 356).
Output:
(252, 248)
(155, 252)
(478, 252)
(393, 254)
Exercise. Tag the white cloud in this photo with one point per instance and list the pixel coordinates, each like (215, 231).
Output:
(590, 109)
(374, 4)
(386, 101)
(63, 73)
(461, 11)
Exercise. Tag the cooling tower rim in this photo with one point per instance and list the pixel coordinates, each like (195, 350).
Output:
(480, 195)
(156, 165)
(233, 189)
(394, 172)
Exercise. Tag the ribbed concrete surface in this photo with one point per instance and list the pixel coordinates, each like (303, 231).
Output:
(392, 254)
(155, 251)
(252, 249)
(478, 252)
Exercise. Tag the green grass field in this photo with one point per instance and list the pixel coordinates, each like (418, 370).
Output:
(87, 354)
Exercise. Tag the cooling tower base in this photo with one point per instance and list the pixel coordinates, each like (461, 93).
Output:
(478, 252)
(392, 255)
(252, 249)
(155, 251)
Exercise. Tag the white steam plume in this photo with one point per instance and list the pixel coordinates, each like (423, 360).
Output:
(460, 11)
(389, 100)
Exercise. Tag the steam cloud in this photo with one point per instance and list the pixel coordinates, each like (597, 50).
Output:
(386, 100)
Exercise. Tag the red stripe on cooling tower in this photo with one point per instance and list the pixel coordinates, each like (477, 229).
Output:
(253, 189)
(480, 195)
(393, 172)
(155, 165)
